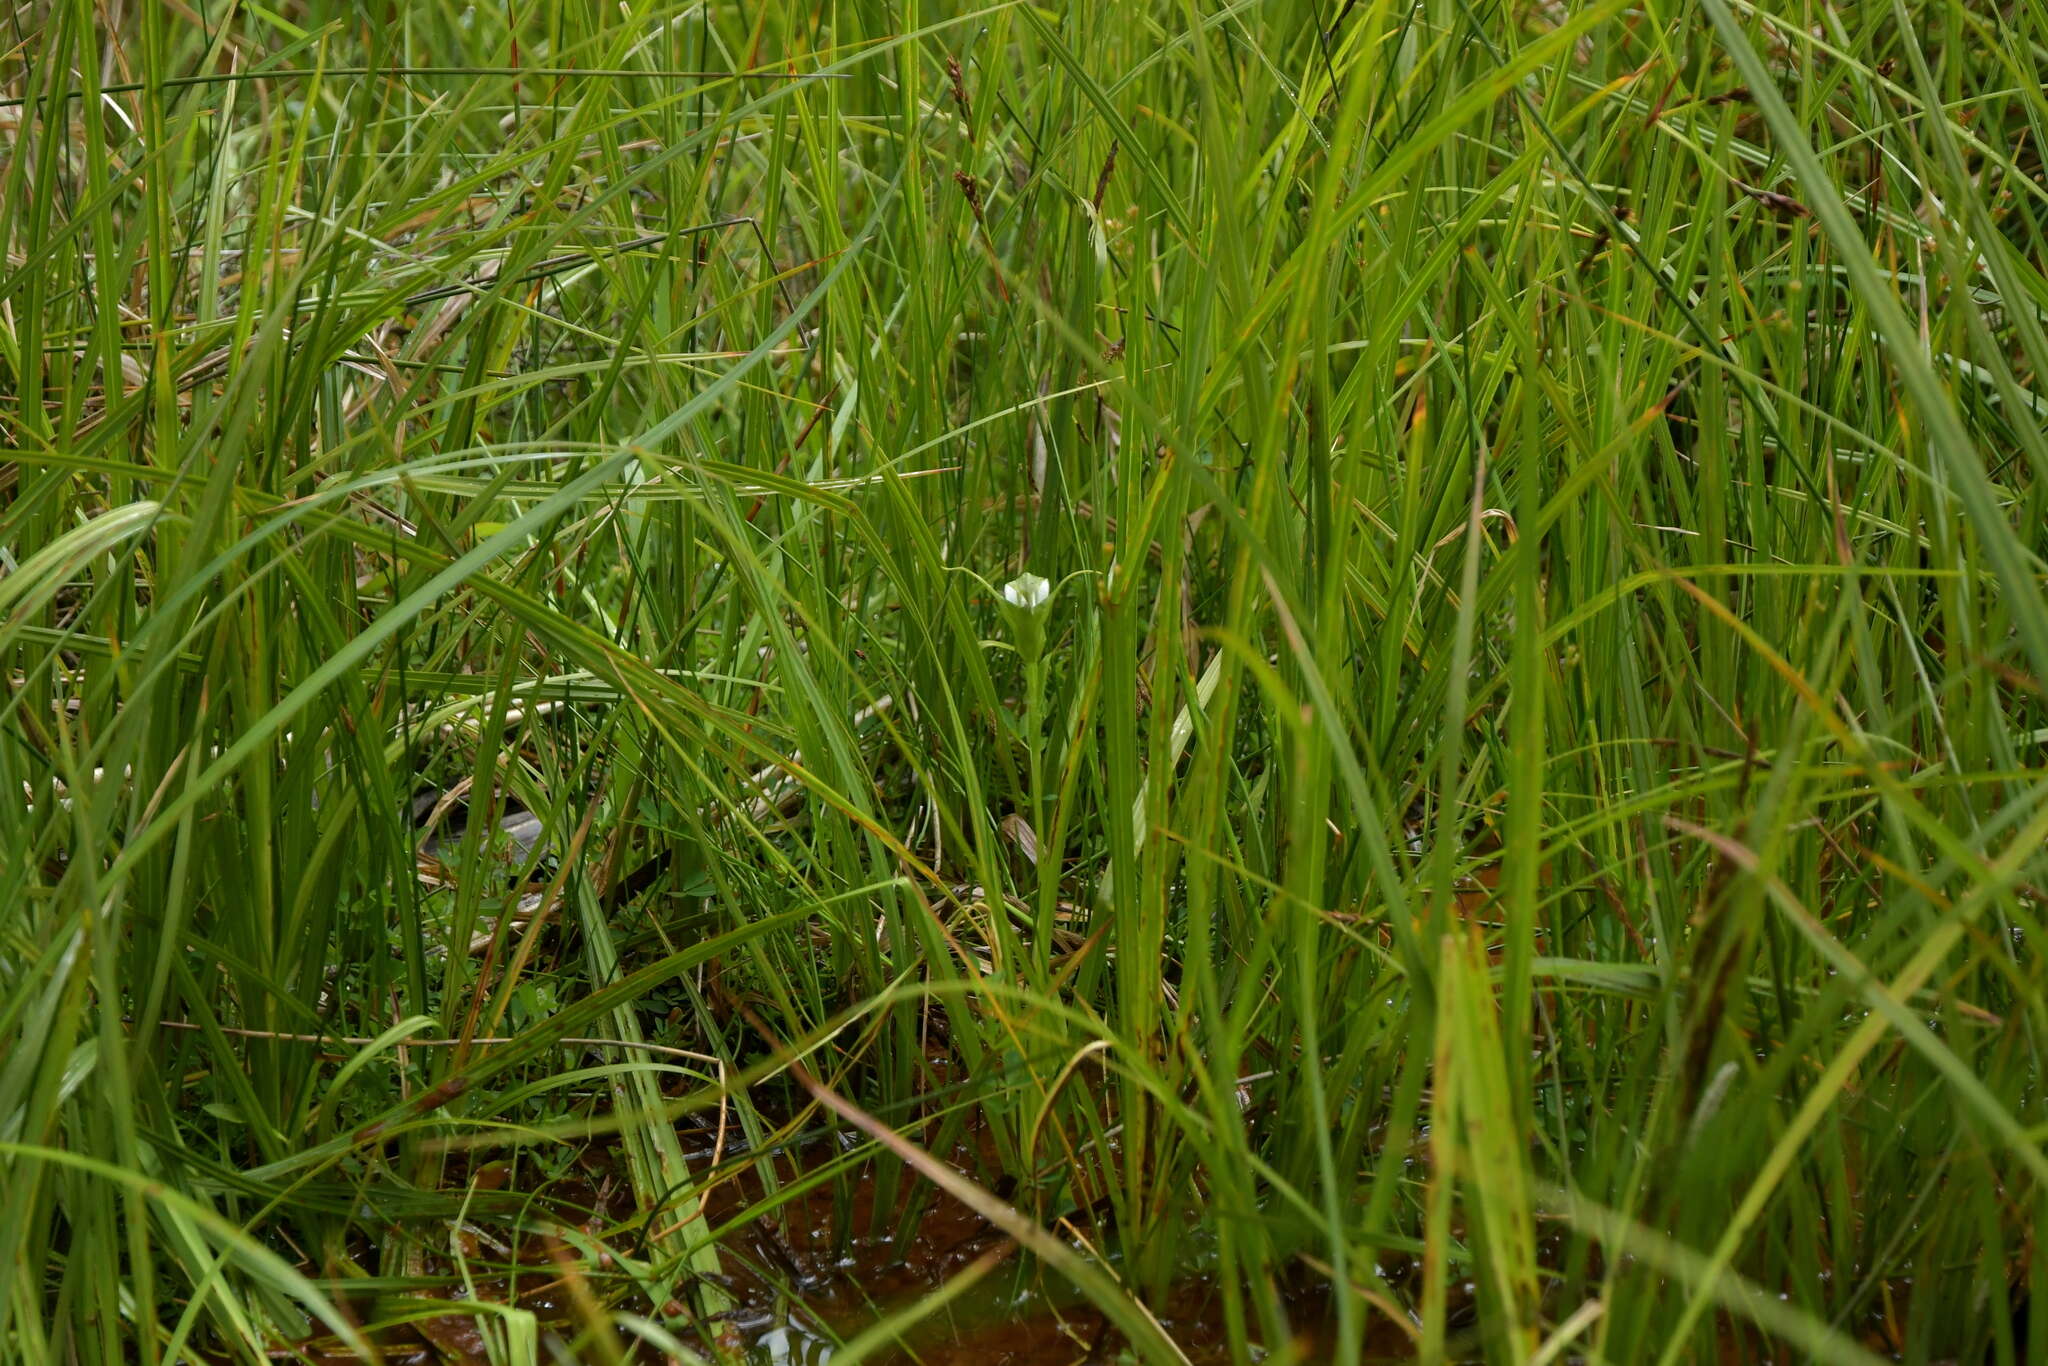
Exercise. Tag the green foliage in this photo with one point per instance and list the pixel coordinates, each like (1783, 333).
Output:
(1406, 636)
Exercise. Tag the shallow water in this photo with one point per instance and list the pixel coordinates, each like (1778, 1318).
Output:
(807, 1275)
(814, 1273)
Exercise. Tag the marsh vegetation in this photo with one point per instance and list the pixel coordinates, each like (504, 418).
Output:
(1239, 681)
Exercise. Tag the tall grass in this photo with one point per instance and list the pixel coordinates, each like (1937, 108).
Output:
(1520, 805)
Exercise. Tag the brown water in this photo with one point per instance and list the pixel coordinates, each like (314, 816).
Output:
(813, 1272)
(802, 1277)
(847, 1277)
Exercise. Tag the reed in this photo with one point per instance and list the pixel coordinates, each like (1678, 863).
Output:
(1389, 653)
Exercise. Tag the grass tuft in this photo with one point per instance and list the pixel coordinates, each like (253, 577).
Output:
(1371, 675)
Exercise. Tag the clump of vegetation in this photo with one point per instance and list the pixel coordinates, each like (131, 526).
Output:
(1386, 659)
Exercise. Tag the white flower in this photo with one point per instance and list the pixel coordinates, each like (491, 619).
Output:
(1027, 591)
